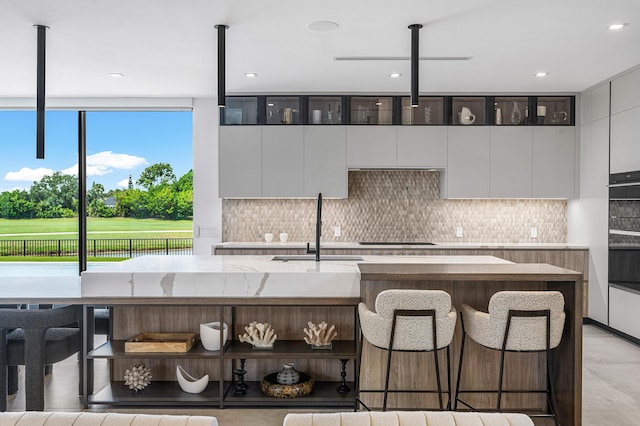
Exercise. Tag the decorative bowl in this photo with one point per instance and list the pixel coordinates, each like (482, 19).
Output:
(190, 384)
(210, 335)
(271, 387)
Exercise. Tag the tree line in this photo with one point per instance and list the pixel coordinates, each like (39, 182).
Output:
(160, 195)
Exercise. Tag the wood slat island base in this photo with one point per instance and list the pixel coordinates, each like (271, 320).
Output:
(474, 285)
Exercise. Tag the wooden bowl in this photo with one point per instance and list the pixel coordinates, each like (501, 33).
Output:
(271, 387)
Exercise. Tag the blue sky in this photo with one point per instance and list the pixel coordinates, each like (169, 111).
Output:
(119, 144)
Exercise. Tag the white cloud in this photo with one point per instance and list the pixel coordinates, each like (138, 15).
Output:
(115, 161)
(28, 174)
(124, 183)
(103, 163)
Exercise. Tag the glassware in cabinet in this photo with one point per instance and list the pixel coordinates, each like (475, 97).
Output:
(325, 110)
(371, 110)
(430, 111)
(283, 110)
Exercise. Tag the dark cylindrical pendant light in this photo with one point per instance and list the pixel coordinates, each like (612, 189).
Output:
(415, 59)
(82, 191)
(40, 92)
(221, 65)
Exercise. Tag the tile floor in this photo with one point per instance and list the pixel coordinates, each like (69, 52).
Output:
(611, 389)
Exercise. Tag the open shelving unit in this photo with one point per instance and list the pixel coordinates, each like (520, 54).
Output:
(220, 365)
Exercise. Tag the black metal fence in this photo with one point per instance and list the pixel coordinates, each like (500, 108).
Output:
(108, 247)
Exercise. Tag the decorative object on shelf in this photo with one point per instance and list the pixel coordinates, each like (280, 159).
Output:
(271, 387)
(137, 377)
(284, 237)
(190, 384)
(240, 387)
(287, 116)
(210, 335)
(541, 113)
(316, 116)
(427, 115)
(288, 375)
(320, 336)
(330, 115)
(466, 116)
(516, 115)
(498, 116)
(407, 115)
(559, 117)
(260, 335)
(342, 387)
(268, 237)
(161, 342)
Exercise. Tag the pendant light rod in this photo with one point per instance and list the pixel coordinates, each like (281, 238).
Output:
(40, 90)
(415, 61)
(82, 191)
(221, 64)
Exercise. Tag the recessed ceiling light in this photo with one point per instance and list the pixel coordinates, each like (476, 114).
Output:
(116, 74)
(542, 74)
(395, 75)
(270, 104)
(322, 26)
(379, 103)
(250, 74)
(616, 26)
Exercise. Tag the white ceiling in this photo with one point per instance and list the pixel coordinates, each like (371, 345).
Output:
(168, 48)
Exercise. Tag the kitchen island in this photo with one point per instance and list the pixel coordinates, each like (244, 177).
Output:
(177, 293)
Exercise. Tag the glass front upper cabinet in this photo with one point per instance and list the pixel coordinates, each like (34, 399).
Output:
(283, 110)
(240, 110)
(468, 110)
(555, 110)
(430, 111)
(325, 110)
(371, 110)
(510, 111)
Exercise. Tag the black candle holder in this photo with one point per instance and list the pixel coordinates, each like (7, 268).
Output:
(343, 388)
(240, 387)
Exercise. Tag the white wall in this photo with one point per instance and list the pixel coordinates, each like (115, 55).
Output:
(207, 206)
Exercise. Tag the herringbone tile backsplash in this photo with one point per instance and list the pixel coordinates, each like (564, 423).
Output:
(398, 205)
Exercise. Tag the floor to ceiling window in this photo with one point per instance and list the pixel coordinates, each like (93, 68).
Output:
(138, 188)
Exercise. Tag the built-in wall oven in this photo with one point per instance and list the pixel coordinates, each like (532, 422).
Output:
(624, 231)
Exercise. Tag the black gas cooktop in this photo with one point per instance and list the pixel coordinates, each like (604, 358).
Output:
(395, 243)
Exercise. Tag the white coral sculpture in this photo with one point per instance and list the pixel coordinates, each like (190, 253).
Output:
(259, 334)
(137, 377)
(319, 335)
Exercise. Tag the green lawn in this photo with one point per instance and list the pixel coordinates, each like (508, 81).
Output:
(96, 228)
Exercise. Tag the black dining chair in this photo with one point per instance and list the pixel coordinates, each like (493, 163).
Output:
(35, 338)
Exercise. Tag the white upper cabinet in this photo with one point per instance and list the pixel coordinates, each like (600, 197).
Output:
(511, 162)
(282, 161)
(422, 146)
(240, 161)
(554, 162)
(600, 102)
(325, 161)
(625, 92)
(468, 171)
(625, 145)
(371, 146)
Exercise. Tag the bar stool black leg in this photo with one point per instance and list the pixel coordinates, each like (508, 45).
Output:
(455, 401)
(386, 381)
(552, 388)
(448, 379)
(439, 384)
(502, 352)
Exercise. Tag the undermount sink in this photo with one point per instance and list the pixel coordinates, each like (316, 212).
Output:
(335, 258)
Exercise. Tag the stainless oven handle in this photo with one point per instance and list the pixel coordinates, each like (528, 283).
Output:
(621, 232)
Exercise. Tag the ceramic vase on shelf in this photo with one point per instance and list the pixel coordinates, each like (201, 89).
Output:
(498, 116)
(288, 375)
(210, 335)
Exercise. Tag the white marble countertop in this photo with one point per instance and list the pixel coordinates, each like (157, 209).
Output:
(437, 246)
(240, 276)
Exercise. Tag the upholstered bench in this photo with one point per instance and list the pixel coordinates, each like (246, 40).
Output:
(40, 418)
(407, 418)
